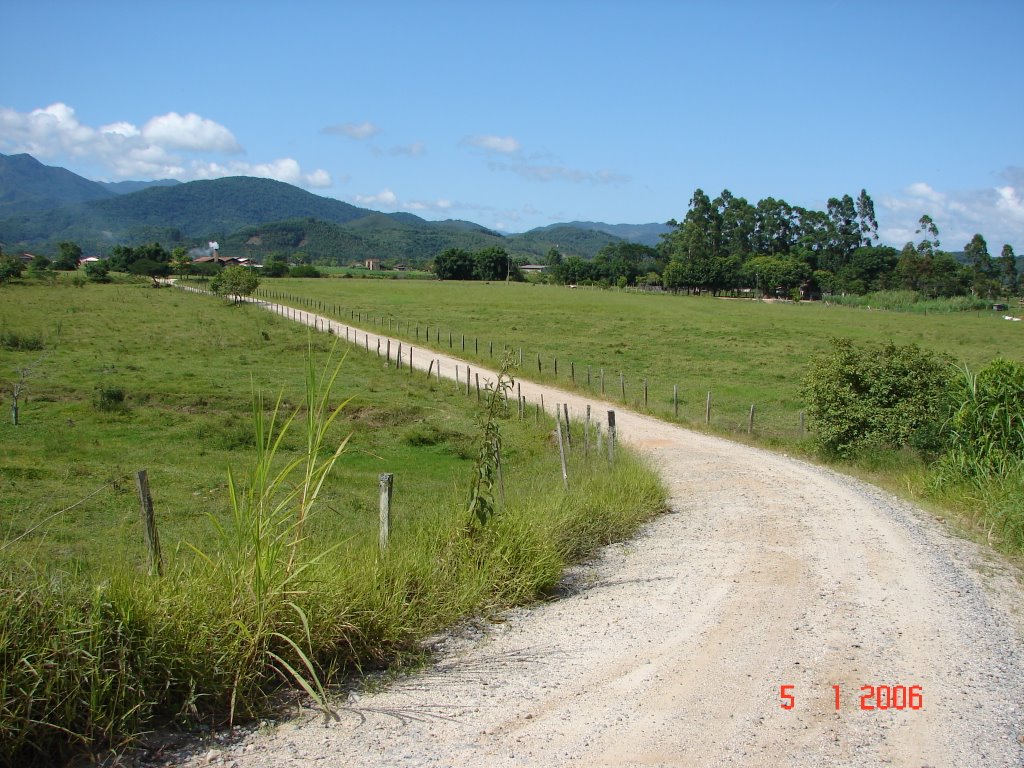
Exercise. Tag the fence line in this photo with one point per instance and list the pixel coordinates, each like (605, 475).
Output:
(640, 396)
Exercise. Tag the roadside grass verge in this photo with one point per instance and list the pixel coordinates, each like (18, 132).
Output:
(94, 652)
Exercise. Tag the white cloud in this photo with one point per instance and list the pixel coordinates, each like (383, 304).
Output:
(357, 131)
(190, 132)
(285, 169)
(997, 213)
(385, 197)
(126, 151)
(502, 145)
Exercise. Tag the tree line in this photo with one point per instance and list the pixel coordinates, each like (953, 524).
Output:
(726, 243)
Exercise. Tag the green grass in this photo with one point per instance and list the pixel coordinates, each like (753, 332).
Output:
(95, 651)
(743, 352)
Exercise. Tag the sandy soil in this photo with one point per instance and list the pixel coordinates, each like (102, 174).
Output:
(670, 649)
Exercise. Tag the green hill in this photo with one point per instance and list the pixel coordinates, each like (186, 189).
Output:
(569, 240)
(28, 186)
(188, 212)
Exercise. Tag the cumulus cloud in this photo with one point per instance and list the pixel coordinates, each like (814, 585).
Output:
(126, 151)
(502, 145)
(285, 169)
(357, 131)
(190, 132)
(997, 213)
(385, 197)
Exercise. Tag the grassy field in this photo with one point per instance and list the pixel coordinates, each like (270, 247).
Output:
(743, 352)
(131, 377)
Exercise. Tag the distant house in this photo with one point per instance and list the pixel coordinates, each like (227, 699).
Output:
(372, 264)
(533, 269)
(224, 261)
(27, 257)
(400, 267)
(89, 260)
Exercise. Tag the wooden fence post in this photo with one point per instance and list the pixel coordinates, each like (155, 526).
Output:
(467, 381)
(386, 487)
(556, 367)
(561, 446)
(572, 371)
(707, 410)
(568, 435)
(586, 433)
(622, 385)
(675, 400)
(645, 393)
(611, 436)
(477, 387)
(602, 381)
(430, 368)
(156, 561)
(750, 421)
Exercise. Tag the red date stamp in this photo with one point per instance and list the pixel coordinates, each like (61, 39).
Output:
(872, 697)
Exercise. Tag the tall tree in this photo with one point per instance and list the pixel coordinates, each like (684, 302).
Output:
(866, 217)
(68, 256)
(980, 263)
(1008, 269)
(738, 222)
(454, 264)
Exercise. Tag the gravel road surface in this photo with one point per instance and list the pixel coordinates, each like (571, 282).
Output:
(672, 649)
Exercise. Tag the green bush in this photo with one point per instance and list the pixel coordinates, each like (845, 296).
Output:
(888, 396)
(108, 398)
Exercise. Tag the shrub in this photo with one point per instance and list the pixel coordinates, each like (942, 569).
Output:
(20, 342)
(108, 398)
(876, 396)
(97, 272)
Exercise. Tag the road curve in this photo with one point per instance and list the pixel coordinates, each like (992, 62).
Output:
(671, 649)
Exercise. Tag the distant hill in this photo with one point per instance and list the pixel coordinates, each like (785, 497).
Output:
(644, 234)
(569, 240)
(42, 205)
(127, 187)
(378, 235)
(171, 214)
(28, 186)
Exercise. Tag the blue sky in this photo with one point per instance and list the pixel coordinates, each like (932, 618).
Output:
(521, 114)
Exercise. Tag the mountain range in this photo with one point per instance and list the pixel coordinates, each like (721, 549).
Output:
(42, 205)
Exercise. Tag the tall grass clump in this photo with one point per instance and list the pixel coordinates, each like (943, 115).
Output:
(983, 463)
(911, 301)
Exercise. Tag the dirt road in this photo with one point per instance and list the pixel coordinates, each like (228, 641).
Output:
(673, 648)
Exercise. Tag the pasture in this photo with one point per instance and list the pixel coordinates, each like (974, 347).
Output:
(744, 352)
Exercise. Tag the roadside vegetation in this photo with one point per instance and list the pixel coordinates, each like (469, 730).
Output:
(273, 574)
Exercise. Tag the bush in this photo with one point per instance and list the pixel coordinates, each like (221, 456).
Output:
(97, 272)
(108, 398)
(20, 342)
(885, 396)
(304, 270)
